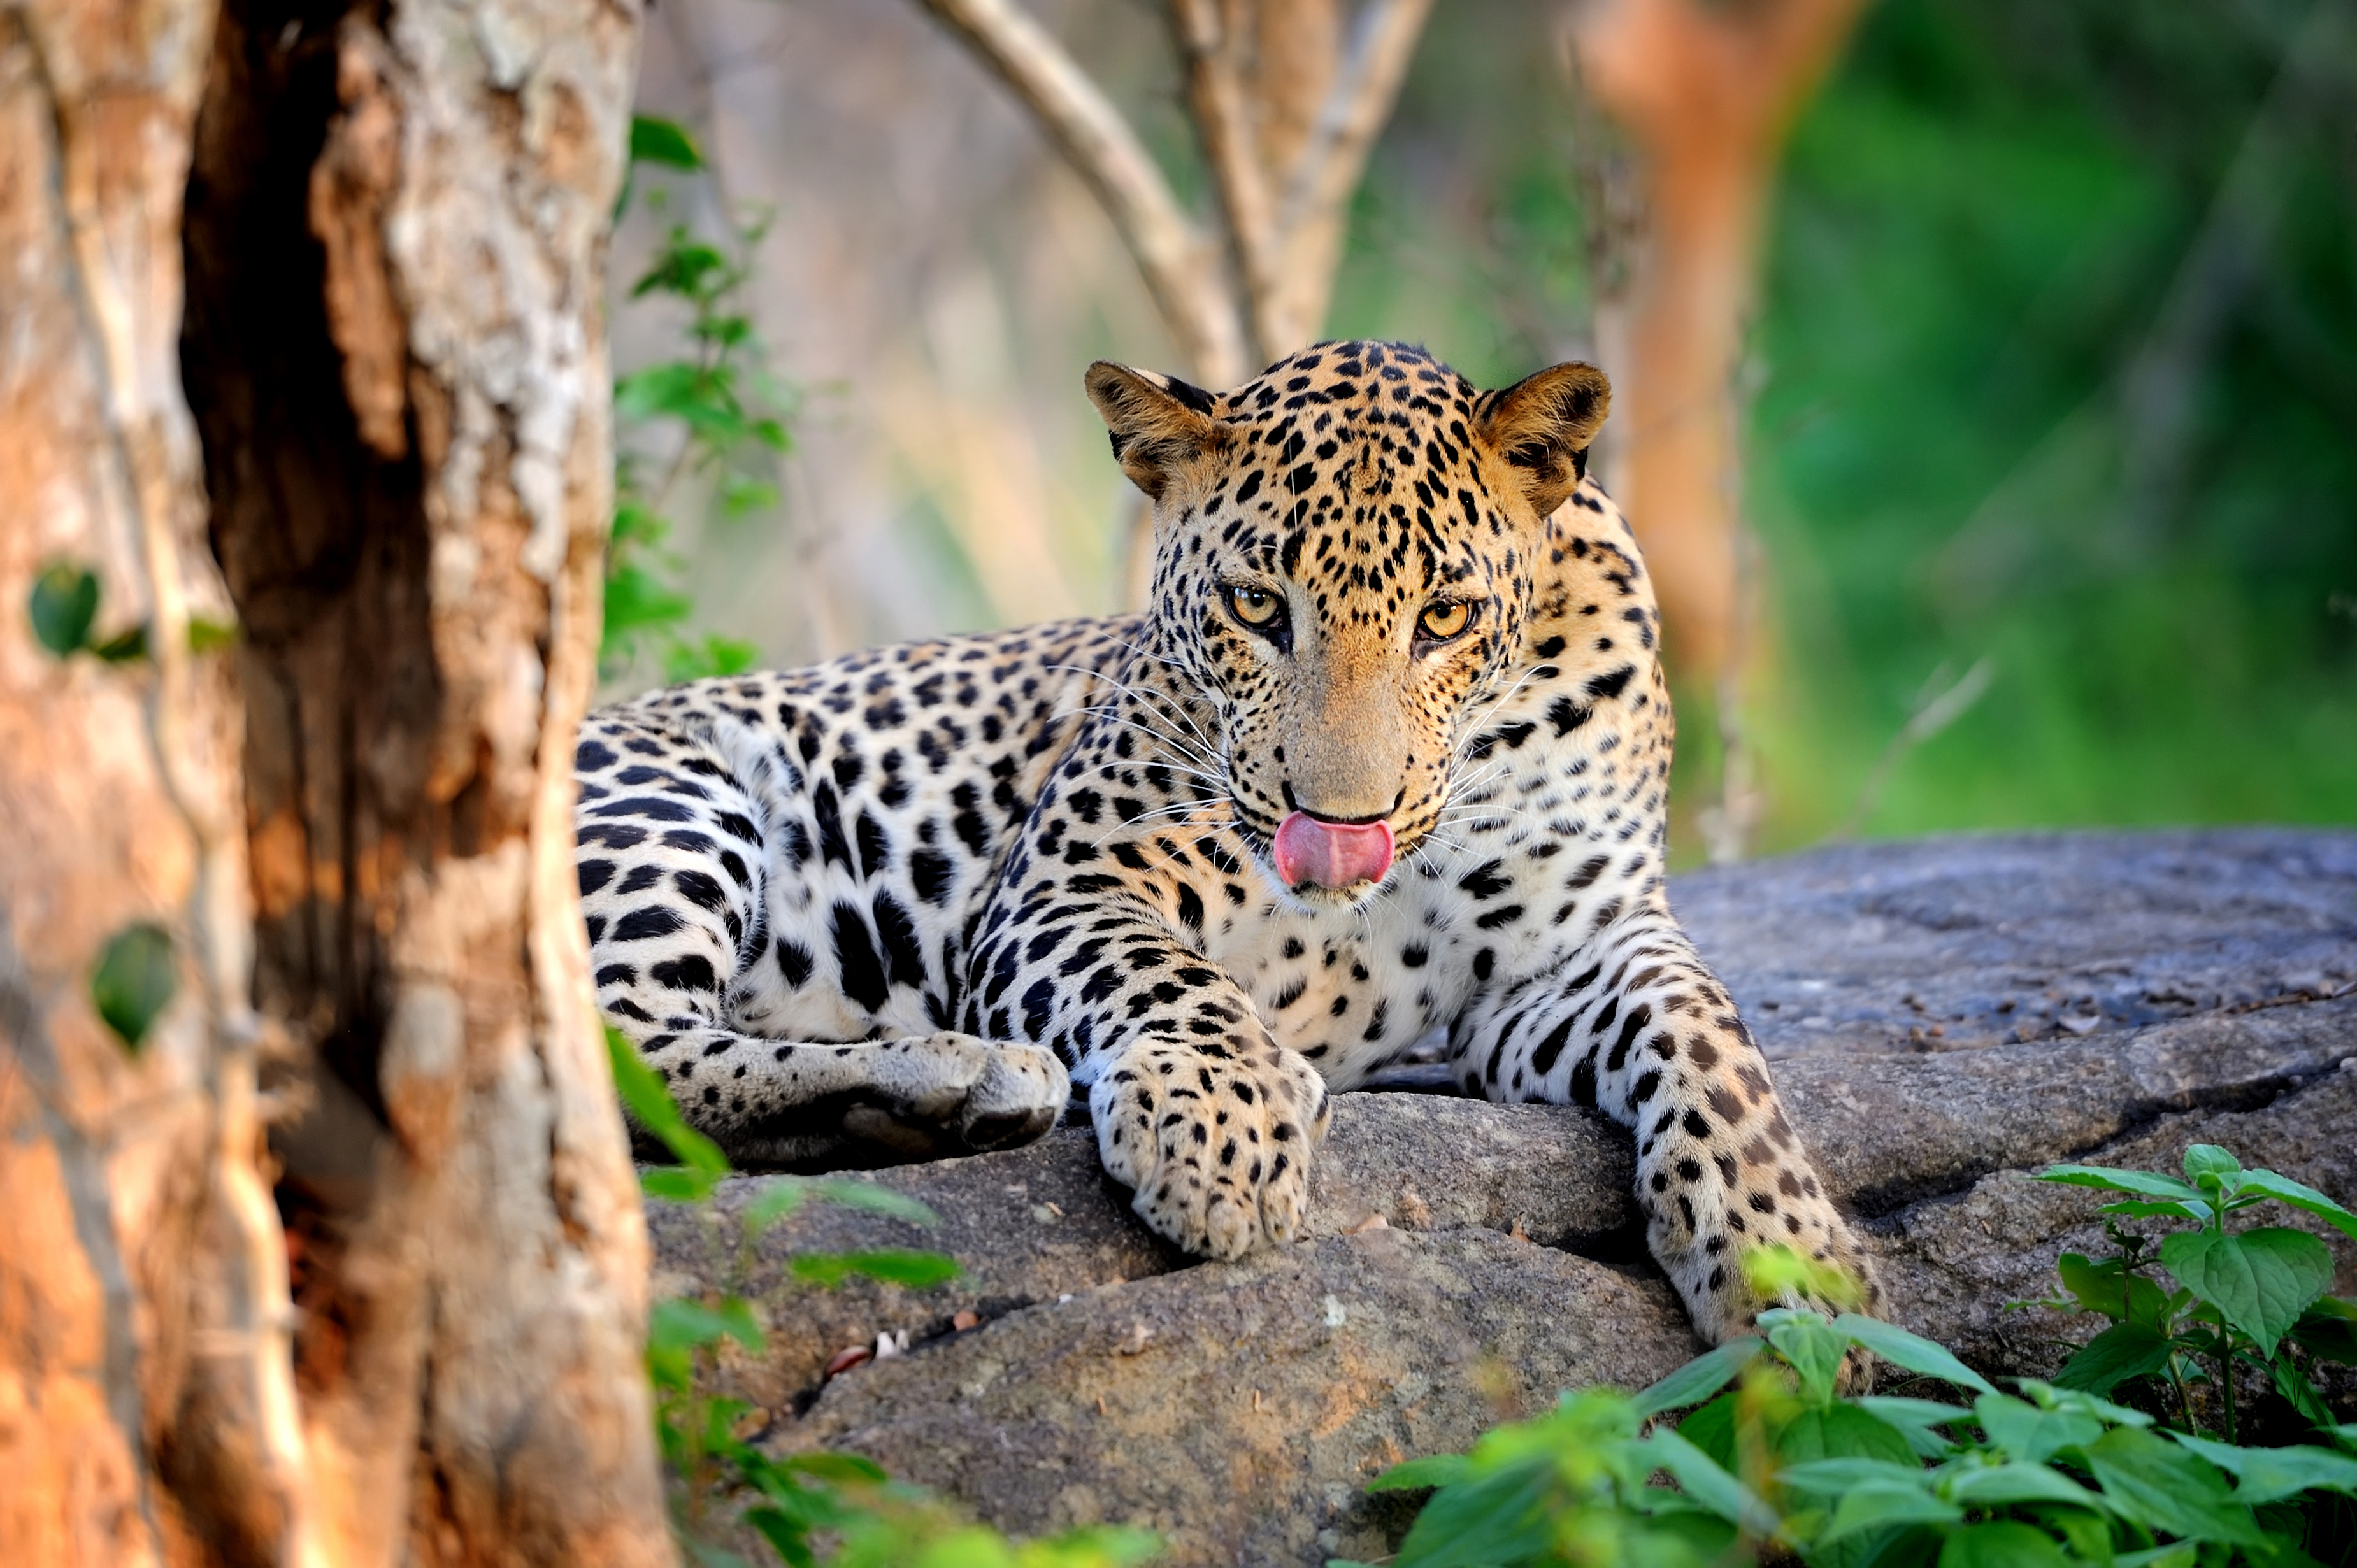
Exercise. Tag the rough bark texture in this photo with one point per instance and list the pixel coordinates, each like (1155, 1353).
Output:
(145, 1408)
(393, 246)
(395, 241)
(2098, 997)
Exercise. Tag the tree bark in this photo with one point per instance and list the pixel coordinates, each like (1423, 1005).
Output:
(146, 1408)
(354, 827)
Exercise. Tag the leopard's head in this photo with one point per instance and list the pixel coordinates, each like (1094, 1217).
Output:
(1344, 550)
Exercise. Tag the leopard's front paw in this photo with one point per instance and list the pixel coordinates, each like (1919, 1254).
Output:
(1216, 1148)
(948, 1093)
(1021, 1094)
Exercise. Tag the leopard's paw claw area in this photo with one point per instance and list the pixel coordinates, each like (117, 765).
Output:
(1021, 1094)
(974, 1094)
(1217, 1149)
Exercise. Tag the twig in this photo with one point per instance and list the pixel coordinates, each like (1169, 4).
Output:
(1106, 154)
(1215, 94)
(1310, 220)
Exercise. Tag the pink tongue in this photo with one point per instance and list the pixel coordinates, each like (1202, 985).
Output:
(1332, 855)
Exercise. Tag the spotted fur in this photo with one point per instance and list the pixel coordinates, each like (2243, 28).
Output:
(899, 897)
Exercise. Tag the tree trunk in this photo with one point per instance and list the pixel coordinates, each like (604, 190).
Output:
(1709, 93)
(354, 829)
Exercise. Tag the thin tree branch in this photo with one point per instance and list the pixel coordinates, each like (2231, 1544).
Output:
(1309, 221)
(1105, 152)
(1208, 44)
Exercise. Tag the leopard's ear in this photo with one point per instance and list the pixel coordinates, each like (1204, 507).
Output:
(1543, 425)
(1158, 424)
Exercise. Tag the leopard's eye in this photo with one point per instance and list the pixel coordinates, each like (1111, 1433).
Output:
(1254, 606)
(1446, 619)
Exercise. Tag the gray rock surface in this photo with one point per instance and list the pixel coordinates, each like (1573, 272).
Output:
(1467, 1261)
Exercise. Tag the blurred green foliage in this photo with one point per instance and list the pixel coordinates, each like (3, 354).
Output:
(703, 429)
(2056, 362)
(2060, 333)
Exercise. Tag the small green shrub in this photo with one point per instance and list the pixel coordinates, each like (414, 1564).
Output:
(1771, 1464)
(726, 412)
(810, 1508)
(2250, 1300)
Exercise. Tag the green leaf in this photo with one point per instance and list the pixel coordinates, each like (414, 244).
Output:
(1416, 1475)
(1484, 1521)
(136, 980)
(1781, 1272)
(2183, 1554)
(635, 599)
(2192, 1208)
(2270, 1474)
(975, 1547)
(1999, 1485)
(2261, 1279)
(1708, 1484)
(2001, 1543)
(2164, 1487)
(1712, 1429)
(2327, 1329)
(2149, 1182)
(1699, 1379)
(893, 1265)
(779, 1198)
(677, 1184)
(2097, 1287)
(2124, 1350)
(2033, 1435)
(677, 1325)
(2209, 1160)
(1910, 1351)
(829, 1467)
(2077, 1401)
(663, 141)
(1831, 1477)
(209, 636)
(740, 495)
(1879, 1504)
(2283, 1189)
(1813, 1347)
(1091, 1546)
(1843, 1431)
(125, 646)
(64, 603)
(2298, 1392)
(648, 1098)
(872, 1198)
(1916, 1419)
(713, 655)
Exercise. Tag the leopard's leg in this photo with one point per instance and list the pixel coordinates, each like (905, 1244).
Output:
(1638, 1027)
(1197, 1108)
(673, 872)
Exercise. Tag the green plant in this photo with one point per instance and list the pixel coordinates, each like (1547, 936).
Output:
(2252, 1299)
(1779, 1466)
(63, 606)
(724, 414)
(810, 1508)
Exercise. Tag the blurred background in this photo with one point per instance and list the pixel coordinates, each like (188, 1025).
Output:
(2040, 477)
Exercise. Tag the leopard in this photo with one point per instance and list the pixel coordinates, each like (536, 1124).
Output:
(1386, 760)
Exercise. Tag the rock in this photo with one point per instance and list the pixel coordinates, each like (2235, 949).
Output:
(1467, 1261)
(1870, 948)
(1240, 1409)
